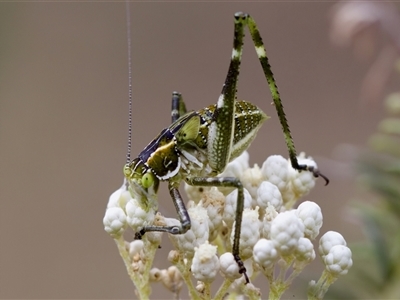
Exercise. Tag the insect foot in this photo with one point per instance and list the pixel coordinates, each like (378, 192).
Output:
(276, 240)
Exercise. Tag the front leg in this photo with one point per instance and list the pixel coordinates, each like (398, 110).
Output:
(235, 183)
(182, 215)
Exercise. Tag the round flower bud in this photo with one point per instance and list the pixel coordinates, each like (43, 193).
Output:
(200, 287)
(265, 254)
(305, 250)
(205, 263)
(173, 257)
(286, 230)
(155, 275)
(311, 216)
(275, 170)
(114, 221)
(328, 240)
(229, 267)
(269, 193)
(135, 247)
(137, 217)
(338, 261)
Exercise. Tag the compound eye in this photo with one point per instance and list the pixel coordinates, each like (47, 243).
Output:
(147, 180)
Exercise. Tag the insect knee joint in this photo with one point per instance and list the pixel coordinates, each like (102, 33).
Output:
(185, 227)
(140, 234)
(176, 230)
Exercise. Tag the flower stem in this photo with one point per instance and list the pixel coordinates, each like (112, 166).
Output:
(143, 293)
(223, 289)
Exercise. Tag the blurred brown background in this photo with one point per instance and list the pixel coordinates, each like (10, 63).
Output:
(63, 121)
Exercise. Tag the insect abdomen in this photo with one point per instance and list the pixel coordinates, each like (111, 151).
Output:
(248, 119)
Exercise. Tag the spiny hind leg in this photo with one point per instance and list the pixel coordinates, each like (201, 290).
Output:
(245, 19)
(220, 139)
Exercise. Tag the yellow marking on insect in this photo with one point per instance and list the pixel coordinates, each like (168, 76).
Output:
(163, 148)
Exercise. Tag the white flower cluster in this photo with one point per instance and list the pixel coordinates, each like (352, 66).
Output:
(274, 236)
(122, 210)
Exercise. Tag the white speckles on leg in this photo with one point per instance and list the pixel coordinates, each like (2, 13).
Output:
(218, 150)
(261, 52)
(212, 138)
(221, 101)
(212, 132)
(236, 54)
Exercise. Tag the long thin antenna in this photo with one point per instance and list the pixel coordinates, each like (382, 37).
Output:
(128, 32)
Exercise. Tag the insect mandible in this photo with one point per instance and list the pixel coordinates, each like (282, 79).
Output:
(198, 145)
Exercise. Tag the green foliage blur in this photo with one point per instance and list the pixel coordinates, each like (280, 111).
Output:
(376, 270)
